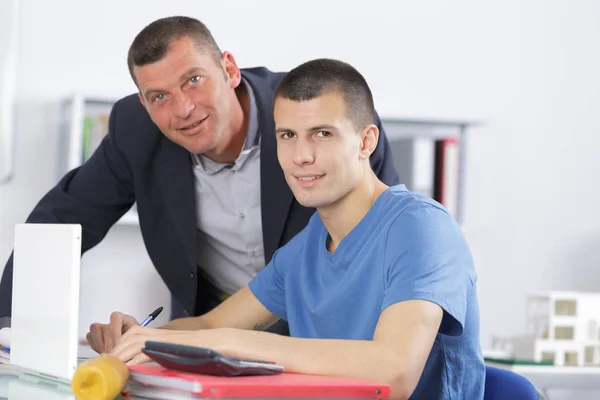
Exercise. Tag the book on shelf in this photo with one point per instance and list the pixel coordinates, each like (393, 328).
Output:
(85, 125)
(429, 166)
(95, 128)
(446, 175)
(415, 162)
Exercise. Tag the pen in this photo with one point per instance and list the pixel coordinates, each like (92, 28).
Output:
(151, 317)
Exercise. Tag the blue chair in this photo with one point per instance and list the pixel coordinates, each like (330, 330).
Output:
(501, 384)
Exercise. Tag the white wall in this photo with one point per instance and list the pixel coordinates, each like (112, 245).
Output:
(527, 68)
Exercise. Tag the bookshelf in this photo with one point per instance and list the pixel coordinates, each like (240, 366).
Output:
(84, 125)
(415, 143)
(430, 157)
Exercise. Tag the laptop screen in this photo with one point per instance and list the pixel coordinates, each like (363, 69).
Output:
(45, 302)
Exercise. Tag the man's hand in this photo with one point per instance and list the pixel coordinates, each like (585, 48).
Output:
(129, 346)
(124, 338)
(103, 337)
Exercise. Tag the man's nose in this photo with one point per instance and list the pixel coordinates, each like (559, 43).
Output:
(183, 106)
(303, 152)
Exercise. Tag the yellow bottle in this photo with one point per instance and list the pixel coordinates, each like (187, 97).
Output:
(100, 378)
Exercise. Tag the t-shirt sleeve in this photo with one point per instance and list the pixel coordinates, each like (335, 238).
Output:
(427, 258)
(269, 284)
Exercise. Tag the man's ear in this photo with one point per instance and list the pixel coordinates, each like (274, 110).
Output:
(232, 72)
(369, 138)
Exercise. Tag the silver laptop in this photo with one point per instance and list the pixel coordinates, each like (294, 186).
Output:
(45, 302)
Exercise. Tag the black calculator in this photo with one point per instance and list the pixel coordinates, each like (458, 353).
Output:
(204, 361)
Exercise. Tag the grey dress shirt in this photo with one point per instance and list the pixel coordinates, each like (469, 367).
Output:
(228, 209)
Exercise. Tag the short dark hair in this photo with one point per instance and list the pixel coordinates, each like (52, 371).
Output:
(152, 43)
(317, 77)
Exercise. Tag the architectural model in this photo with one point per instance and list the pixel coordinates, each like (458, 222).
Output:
(565, 327)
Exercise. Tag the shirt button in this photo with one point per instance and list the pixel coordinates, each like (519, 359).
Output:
(192, 275)
(242, 216)
(253, 254)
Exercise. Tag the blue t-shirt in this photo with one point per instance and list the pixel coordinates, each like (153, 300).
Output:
(407, 247)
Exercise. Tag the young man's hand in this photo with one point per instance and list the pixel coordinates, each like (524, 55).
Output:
(125, 338)
(129, 346)
(103, 337)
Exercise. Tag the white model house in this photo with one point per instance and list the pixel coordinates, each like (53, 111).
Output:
(566, 327)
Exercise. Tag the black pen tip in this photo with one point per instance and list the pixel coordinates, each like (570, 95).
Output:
(156, 312)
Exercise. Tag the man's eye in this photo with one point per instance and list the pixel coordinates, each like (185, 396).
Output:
(287, 135)
(323, 133)
(195, 79)
(159, 97)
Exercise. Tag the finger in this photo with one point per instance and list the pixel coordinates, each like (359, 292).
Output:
(131, 343)
(126, 351)
(140, 358)
(139, 331)
(90, 341)
(97, 337)
(131, 332)
(116, 326)
(107, 338)
(129, 322)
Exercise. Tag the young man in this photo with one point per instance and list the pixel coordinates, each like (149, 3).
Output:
(195, 150)
(380, 284)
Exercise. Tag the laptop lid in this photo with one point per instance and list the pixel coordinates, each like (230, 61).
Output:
(45, 302)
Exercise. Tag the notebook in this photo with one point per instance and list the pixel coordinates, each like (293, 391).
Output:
(45, 304)
(145, 378)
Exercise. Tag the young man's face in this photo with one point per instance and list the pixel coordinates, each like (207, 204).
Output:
(319, 149)
(189, 95)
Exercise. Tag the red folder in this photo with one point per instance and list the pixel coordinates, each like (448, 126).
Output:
(144, 377)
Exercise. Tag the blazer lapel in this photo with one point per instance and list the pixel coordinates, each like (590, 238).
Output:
(276, 196)
(177, 185)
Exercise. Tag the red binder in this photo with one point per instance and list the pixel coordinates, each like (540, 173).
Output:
(149, 379)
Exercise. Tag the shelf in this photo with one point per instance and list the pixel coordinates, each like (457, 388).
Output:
(430, 157)
(399, 128)
(84, 125)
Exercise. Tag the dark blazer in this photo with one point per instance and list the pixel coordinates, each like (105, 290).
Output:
(137, 163)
